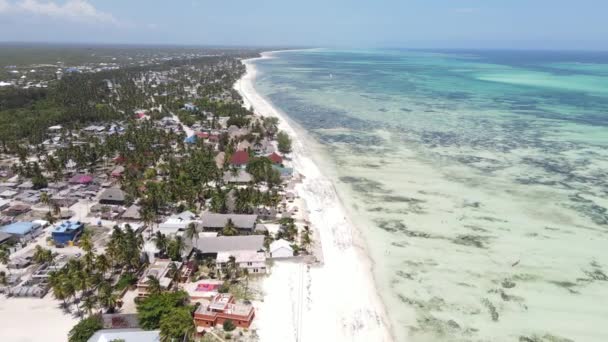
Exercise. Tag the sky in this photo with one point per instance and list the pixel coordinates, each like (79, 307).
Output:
(509, 24)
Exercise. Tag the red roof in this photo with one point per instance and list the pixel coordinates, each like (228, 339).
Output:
(275, 158)
(239, 158)
(202, 135)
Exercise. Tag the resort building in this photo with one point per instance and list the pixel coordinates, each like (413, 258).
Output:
(214, 221)
(222, 308)
(211, 246)
(159, 269)
(252, 261)
(67, 231)
(239, 159)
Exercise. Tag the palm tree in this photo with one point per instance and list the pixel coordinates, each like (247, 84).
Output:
(153, 285)
(230, 229)
(89, 303)
(191, 232)
(161, 243)
(175, 274)
(46, 200)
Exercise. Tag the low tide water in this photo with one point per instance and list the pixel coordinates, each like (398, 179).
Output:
(479, 180)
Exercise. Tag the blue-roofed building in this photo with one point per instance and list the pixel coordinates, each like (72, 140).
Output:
(23, 230)
(67, 231)
(191, 139)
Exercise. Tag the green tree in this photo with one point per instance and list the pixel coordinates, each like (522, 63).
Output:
(177, 325)
(83, 331)
(229, 325)
(284, 142)
(152, 309)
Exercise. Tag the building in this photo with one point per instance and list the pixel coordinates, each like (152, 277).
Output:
(244, 223)
(178, 222)
(81, 179)
(132, 213)
(275, 158)
(159, 269)
(17, 209)
(23, 231)
(252, 261)
(281, 249)
(223, 307)
(126, 335)
(67, 231)
(6, 238)
(112, 196)
(239, 158)
(211, 246)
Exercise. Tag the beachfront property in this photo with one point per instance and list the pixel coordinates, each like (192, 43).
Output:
(214, 221)
(239, 159)
(280, 249)
(67, 231)
(223, 307)
(242, 177)
(159, 269)
(211, 246)
(23, 231)
(252, 261)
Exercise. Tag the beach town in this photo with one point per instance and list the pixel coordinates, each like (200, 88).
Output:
(199, 216)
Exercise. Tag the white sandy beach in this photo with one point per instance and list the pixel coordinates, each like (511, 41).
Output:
(334, 301)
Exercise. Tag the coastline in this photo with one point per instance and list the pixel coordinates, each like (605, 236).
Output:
(342, 301)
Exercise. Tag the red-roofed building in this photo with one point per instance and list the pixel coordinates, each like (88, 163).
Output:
(239, 158)
(202, 135)
(275, 158)
(221, 309)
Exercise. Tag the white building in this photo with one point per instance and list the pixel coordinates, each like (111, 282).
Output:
(280, 249)
(254, 262)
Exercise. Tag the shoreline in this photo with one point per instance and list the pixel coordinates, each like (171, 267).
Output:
(355, 307)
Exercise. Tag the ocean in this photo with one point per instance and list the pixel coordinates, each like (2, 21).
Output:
(478, 179)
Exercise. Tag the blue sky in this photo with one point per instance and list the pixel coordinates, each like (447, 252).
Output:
(543, 24)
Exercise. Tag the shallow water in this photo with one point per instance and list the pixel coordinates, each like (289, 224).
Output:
(478, 178)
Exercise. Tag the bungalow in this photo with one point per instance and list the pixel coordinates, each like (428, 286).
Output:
(67, 231)
(239, 159)
(281, 249)
(17, 209)
(8, 194)
(159, 269)
(214, 221)
(223, 307)
(275, 158)
(132, 213)
(112, 196)
(23, 231)
(252, 261)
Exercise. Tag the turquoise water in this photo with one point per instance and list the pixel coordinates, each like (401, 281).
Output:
(478, 179)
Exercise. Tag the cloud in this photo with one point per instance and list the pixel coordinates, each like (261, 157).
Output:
(72, 10)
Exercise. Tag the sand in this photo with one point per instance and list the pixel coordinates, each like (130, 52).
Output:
(333, 301)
